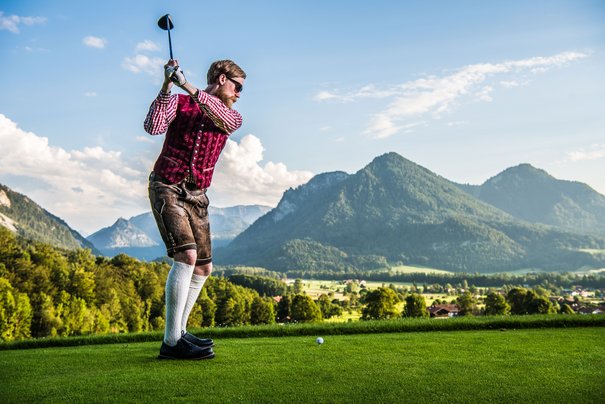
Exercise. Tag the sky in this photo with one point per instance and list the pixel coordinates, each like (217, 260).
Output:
(466, 89)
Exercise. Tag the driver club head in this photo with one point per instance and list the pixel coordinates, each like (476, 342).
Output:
(165, 22)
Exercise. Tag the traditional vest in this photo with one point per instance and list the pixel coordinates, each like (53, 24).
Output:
(192, 146)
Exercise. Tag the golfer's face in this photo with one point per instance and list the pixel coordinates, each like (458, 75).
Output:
(230, 91)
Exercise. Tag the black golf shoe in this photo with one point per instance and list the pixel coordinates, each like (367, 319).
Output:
(201, 342)
(185, 350)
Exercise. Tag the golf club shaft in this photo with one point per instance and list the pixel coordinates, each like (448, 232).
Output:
(169, 39)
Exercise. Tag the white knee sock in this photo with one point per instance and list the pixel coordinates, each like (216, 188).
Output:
(177, 287)
(197, 282)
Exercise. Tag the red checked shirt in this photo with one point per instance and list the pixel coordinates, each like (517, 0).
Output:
(197, 129)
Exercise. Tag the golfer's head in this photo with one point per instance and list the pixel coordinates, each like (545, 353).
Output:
(229, 78)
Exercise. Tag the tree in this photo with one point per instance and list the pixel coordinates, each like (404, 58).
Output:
(304, 309)
(467, 304)
(327, 307)
(284, 309)
(224, 312)
(352, 286)
(264, 285)
(516, 298)
(566, 309)
(539, 304)
(15, 313)
(208, 309)
(262, 311)
(496, 305)
(380, 304)
(415, 306)
(297, 288)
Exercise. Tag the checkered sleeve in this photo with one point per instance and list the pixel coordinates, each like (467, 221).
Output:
(161, 113)
(227, 119)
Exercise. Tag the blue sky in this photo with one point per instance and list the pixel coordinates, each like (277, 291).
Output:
(464, 88)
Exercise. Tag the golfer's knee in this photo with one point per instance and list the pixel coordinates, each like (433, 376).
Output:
(205, 269)
(188, 257)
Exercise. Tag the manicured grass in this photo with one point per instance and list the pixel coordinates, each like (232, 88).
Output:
(537, 365)
(331, 328)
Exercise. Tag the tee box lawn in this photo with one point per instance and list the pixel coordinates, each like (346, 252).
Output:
(532, 365)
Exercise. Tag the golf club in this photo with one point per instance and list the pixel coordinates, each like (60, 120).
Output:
(165, 22)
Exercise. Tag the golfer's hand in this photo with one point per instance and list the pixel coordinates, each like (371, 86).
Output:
(177, 76)
(168, 69)
(167, 85)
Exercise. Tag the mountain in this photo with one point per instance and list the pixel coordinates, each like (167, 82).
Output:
(23, 216)
(394, 211)
(139, 236)
(533, 195)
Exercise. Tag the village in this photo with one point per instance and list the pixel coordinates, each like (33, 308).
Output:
(443, 301)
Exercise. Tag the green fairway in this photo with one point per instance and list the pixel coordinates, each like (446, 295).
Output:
(540, 365)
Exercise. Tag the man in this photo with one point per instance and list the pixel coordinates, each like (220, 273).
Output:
(197, 126)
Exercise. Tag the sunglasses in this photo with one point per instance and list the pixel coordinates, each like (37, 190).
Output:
(238, 85)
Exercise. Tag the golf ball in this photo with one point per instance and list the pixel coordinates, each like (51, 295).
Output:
(319, 340)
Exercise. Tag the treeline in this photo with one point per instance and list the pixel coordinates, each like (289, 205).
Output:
(46, 291)
(381, 303)
(563, 280)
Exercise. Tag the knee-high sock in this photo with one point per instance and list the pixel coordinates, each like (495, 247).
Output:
(197, 282)
(177, 288)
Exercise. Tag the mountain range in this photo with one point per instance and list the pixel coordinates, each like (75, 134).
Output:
(394, 211)
(390, 212)
(139, 236)
(532, 194)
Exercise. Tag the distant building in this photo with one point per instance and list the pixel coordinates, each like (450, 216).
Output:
(444, 310)
(591, 310)
(582, 293)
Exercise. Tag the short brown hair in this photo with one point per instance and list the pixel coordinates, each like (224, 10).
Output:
(226, 67)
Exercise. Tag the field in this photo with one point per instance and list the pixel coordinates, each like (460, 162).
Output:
(407, 269)
(534, 365)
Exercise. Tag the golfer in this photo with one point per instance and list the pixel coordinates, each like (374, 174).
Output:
(197, 126)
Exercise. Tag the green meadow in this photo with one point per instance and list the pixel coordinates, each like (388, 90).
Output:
(507, 365)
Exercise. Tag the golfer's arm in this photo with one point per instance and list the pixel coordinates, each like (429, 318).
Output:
(227, 119)
(161, 113)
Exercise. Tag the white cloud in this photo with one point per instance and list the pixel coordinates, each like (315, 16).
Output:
(145, 139)
(509, 84)
(240, 178)
(484, 94)
(369, 91)
(140, 63)
(94, 42)
(326, 95)
(436, 95)
(12, 22)
(153, 66)
(596, 152)
(90, 94)
(455, 123)
(147, 45)
(92, 187)
(85, 187)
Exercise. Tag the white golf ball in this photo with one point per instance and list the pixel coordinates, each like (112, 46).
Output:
(319, 340)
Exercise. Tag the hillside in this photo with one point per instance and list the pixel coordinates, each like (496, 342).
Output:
(532, 194)
(23, 216)
(394, 211)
